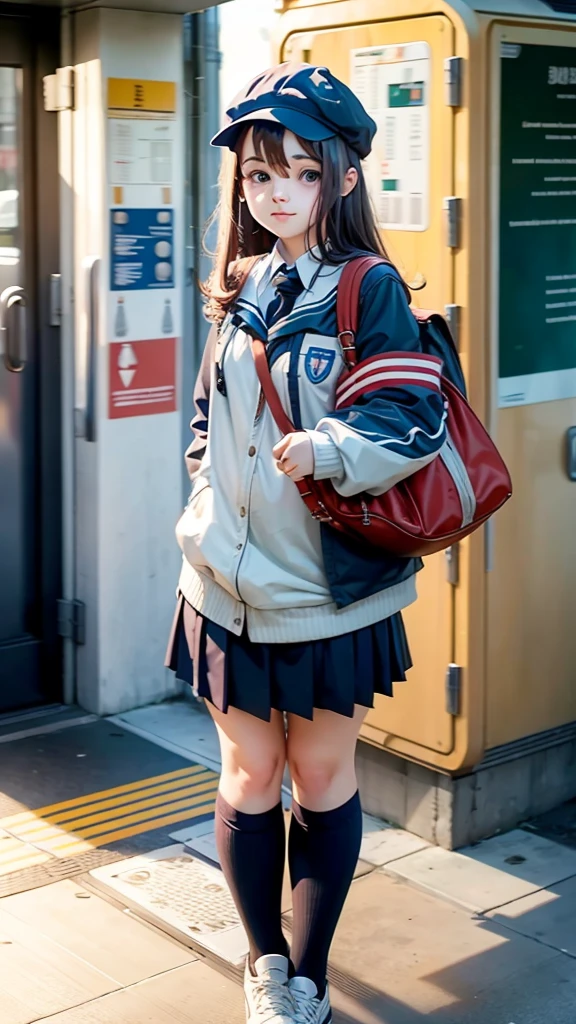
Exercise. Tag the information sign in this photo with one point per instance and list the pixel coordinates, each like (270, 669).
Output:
(393, 83)
(142, 248)
(537, 277)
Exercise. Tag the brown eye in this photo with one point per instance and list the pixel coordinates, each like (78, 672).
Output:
(260, 177)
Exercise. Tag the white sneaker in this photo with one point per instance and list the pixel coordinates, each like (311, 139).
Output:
(268, 999)
(310, 1009)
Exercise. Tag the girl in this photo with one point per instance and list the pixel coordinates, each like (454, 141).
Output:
(285, 626)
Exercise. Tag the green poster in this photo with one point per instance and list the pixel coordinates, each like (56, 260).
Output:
(537, 315)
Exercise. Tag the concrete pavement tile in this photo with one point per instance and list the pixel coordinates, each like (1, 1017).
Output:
(182, 725)
(548, 915)
(544, 992)
(98, 933)
(490, 874)
(372, 824)
(204, 845)
(363, 867)
(527, 856)
(129, 1006)
(184, 835)
(195, 994)
(38, 977)
(388, 844)
(458, 879)
(401, 955)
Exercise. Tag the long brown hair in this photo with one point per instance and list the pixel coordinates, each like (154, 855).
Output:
(345, 226)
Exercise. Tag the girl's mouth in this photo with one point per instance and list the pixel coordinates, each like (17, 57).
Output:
(283, 214)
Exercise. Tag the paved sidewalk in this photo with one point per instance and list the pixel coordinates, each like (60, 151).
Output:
(483, 936)
(401, 956)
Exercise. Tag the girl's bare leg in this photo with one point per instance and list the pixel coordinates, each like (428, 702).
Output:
(253, 758)
(321, 758)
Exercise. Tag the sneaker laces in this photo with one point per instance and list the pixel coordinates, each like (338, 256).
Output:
(306, 1008)
(271, 996)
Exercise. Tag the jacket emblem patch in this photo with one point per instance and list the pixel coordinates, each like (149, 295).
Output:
(318, 363)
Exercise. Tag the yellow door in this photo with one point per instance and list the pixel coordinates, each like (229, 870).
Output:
(397, 69)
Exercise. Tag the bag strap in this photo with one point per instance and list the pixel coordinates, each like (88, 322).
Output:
(267, 385)
(348, 303)
(285, 426)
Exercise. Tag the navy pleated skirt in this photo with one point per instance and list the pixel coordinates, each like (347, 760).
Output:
(333, 674)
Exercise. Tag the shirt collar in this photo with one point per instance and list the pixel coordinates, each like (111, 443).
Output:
(307, 265)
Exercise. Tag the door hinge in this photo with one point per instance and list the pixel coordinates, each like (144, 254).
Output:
(59, 90)
(453, 689)
(452, 555)
(72, 621)
(453, 314)
(453, 80)
(453, 212)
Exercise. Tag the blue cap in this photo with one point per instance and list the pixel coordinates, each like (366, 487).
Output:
(307, 100)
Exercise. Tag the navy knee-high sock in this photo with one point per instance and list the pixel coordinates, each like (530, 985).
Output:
(323, 849)
(252, 851)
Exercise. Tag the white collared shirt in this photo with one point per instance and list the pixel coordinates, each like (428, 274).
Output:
(307, 266)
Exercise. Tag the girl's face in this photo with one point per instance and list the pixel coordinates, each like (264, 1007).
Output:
(285, 201)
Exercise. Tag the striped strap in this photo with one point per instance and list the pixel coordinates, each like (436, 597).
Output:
(393, 370)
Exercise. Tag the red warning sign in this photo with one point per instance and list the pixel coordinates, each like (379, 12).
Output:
(142, 377)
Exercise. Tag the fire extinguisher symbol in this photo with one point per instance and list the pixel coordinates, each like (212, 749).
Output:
(120, 322)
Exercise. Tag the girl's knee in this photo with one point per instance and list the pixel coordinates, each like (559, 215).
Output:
(255, 774)
(312, 774)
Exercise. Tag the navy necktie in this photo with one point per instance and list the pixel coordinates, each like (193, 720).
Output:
(288, 287)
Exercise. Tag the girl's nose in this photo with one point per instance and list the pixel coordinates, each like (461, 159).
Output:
(279, 193)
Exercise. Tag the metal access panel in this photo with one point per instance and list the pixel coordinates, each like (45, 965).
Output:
(532, 583)
(398, 68)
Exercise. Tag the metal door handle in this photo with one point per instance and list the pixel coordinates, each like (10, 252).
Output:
(571, 453)
(92, 265)
(13, 328)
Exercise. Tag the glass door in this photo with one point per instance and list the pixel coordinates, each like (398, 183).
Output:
(28, 671)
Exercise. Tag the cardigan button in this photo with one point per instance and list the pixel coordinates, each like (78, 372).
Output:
(237, 622)
(251, 451)
(242, 511)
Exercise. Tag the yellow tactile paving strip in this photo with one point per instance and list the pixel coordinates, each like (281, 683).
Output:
(84, 823)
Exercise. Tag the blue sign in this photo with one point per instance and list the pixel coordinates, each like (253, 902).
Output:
(142, 249)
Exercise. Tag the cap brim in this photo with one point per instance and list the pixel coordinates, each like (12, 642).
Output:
(301, 124)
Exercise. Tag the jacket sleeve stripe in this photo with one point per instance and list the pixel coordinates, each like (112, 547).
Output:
(376, 381)
(402, 365)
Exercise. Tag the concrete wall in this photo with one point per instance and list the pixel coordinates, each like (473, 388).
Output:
(129, 481)
(507, 787)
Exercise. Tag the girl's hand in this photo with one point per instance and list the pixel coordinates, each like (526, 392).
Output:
(294, 455)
